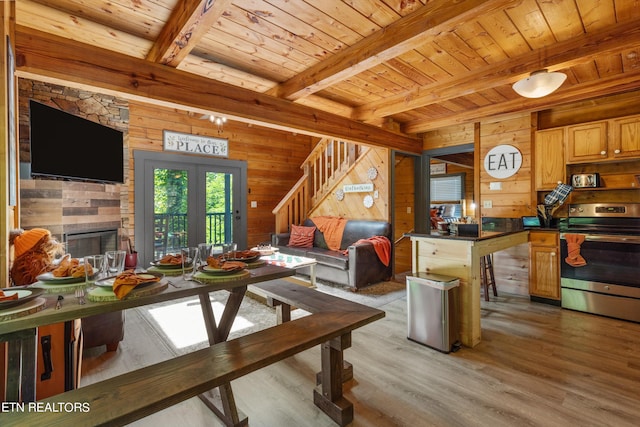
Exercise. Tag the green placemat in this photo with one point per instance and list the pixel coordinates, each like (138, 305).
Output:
(60, 289)
(101, 294)
(167, 271)
(210, 278)
(25, 309)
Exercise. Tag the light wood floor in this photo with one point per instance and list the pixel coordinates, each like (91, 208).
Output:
(537, 365)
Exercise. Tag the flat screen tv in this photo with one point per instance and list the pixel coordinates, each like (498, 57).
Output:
(68, 146)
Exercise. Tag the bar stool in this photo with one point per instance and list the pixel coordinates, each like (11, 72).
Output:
(487, 277)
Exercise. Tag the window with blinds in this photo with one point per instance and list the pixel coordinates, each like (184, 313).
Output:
(447, 188)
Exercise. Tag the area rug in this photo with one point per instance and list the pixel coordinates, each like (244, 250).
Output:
(181, 325)
(376, 295)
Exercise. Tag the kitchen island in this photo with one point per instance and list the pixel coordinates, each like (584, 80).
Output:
(459, 257)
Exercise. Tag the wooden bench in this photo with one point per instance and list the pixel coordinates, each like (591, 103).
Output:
(131, 396)
(284, 296)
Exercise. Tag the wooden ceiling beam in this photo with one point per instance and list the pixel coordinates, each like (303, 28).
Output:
(399, 37)
(614, 39)
(578, 92)
(36, 16)
(42, 56)
(189, 22)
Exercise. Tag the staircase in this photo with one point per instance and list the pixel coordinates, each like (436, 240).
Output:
(323, 169)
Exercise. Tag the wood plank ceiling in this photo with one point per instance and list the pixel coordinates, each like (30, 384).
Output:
(417, 65)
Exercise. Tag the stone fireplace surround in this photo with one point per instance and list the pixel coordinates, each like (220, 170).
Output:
(70, 209)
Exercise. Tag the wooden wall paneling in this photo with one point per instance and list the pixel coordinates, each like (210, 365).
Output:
(449, 136)
(515, 198)
(511, 270)
(41, 205)
(273, 157)
(404, 208)
(64, 206)
(352, 206)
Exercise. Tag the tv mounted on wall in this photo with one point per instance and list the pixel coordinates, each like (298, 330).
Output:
(68, 146)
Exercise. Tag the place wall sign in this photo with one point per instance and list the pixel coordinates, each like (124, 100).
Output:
(503, 161)
(195, 144)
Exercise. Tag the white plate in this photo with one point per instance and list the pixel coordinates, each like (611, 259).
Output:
(50, 278)
(158, 264)
(106, 283)
(24, 295)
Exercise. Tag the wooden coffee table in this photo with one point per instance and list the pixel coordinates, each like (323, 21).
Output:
(293, 261)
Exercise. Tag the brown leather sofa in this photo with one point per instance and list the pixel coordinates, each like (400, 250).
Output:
(103, 329)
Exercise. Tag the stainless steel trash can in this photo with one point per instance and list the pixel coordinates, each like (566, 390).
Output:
(432, 311)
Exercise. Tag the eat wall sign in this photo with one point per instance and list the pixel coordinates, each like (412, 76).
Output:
(503, 161)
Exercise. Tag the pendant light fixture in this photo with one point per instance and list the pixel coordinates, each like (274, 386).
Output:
(540, 83)
(219, 121)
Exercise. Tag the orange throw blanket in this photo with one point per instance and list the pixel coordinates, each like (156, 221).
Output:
(574, 258)
(332, 227)
(381, 245)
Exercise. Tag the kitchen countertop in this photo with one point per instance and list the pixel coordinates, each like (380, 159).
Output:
(459, 256)
(484, 235)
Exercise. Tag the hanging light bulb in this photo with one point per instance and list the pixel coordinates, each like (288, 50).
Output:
(218, 121)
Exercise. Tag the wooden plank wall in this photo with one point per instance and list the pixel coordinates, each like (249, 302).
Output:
(449, 136)
(404, 208)
(516, 198)
(64, 207)
(352, 206)
(273, 157)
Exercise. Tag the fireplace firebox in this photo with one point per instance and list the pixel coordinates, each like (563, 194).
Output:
(92, 242)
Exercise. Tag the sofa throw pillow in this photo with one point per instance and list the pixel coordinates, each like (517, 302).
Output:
(301, 237)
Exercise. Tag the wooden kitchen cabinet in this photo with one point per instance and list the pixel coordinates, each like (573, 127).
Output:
(549, 158)
(625, 137)
(544, 264)
(587, 142)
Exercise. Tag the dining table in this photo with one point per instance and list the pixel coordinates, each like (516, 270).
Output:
(20, 332)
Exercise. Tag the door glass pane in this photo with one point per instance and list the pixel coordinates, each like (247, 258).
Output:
(219, 209)
(170, 196)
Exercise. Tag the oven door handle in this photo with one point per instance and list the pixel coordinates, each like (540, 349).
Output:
(607, 238)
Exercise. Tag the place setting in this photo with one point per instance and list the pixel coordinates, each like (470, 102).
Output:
(112, 282)
(231, 264)
(69, 275)
(172, 264)
(250, 257)
(16, 302)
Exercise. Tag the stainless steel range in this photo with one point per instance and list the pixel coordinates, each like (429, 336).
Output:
(608, 283)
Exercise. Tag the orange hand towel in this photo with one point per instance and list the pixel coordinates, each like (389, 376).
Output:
(332, 227)
(381, 245)
(574, 258)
